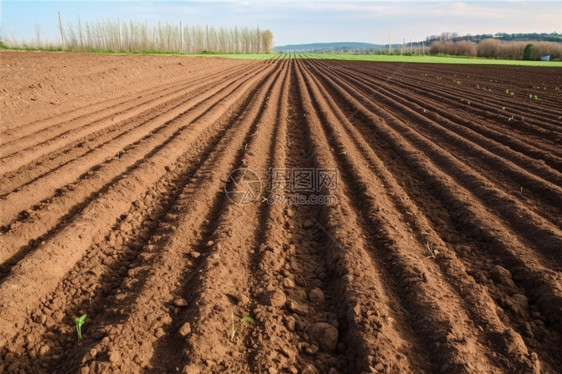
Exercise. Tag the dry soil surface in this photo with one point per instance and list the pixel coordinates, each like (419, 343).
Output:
(438, 249)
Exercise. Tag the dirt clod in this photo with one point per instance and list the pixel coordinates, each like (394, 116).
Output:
(277, 298)
(290, 323)
(44, 350)
(298, 308)
(288, 283)
(180, 303)
(312, 349)
(114, 357)
(316, 296)
(185, 329)
(310, 369)
(325, 335)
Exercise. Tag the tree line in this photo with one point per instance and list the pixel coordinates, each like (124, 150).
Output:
(494, 48)
(506, 37)
(131, 36)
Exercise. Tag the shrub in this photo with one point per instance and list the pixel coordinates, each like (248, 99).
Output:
(528, 52)
(489, 48)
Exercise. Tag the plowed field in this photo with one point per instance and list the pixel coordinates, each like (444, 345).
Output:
(438, 247)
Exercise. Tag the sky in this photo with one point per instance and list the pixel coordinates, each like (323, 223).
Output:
(297, 21)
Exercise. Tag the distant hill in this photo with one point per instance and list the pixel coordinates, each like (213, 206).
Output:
(329, 47)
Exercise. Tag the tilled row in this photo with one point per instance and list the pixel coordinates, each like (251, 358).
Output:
(442, 96)
(166, 124)
(54, 146)
(383, 134)
(23, 235)
(53, 257)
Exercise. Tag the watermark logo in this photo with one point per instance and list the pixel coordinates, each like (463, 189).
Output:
(300, 199)
(243, 186)
(289, 186)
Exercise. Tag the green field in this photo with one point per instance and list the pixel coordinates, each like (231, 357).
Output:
(394, 58)
(434, 59)
(336, 56)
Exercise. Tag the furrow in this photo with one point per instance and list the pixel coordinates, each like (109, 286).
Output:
(56, 210)
(118, 262)
(542, 180)
(169, 121)
(377, 323)
(545, 235)
(180, 259)
(61, 252)
(292, 295)
(540, 284)
(404, 260)
(444, 266)
(84, 133)
(437, 107)
(96, 111)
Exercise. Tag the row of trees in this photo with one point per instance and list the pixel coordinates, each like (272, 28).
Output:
(118, 36)
(454, 36)
(494, 48)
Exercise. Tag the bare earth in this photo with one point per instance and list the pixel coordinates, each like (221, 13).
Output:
(443, 252)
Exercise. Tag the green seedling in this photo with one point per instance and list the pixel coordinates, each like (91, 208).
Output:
(236, 325)
(535, 97)
(79, 322)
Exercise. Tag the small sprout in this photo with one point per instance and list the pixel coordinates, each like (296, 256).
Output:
(506, 91)
(236, 325)
(511, 93)
(79, 322)
(535, 97)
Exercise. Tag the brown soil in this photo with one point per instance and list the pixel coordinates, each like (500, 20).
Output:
(441, 254)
